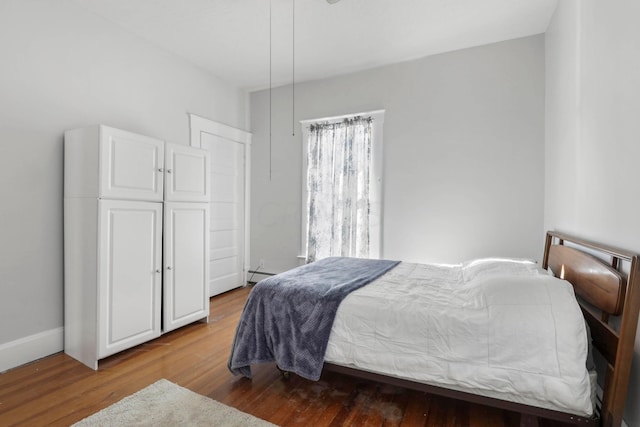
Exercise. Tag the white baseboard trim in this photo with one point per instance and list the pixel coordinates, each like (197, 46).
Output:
(33, 347)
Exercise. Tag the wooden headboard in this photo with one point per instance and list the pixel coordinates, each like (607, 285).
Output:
(605, 292)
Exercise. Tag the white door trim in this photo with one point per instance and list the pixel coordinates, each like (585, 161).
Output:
(198, 125)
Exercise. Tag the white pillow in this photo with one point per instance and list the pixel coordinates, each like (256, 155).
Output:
(483, 268)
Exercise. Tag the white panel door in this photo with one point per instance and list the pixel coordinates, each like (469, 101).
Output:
(129, 276)
(186, 174)
(227, 212)
(186, 263)
(131, 165)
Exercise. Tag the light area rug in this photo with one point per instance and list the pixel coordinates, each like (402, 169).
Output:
(164, 403)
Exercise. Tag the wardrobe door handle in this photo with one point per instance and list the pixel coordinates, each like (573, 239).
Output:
(160, 170)
(169, 268)
(169, 170)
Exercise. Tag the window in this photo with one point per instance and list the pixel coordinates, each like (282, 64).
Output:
(342, 186)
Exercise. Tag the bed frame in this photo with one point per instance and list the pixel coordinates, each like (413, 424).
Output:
(607, 295)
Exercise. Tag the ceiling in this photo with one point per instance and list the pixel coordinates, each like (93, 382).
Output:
(236, 41)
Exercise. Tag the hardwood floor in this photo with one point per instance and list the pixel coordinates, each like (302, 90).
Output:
(58, 391)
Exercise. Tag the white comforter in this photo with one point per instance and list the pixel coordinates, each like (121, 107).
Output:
(496, 328)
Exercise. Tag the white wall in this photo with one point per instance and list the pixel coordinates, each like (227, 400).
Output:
(593, 127)
(464, 153)
(62, 67)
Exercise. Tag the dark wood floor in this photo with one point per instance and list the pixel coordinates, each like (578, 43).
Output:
(58, 391)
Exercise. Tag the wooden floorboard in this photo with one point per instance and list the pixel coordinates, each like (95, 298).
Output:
(59, 391)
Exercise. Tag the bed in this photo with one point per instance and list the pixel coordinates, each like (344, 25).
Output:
(502, 332)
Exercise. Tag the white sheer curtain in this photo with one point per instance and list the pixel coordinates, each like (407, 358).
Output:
(338, 180)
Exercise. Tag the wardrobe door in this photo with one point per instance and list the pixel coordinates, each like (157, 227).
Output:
(187, 174)
(186, 263)
(131, 166)
(129, 274)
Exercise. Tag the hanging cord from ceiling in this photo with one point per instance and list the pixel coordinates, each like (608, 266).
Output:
(293, 78)
(293, 67)
(270, 88)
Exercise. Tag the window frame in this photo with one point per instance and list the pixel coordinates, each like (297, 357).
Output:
(375, 188)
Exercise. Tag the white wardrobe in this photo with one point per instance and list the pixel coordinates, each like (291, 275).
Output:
(136, 235)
